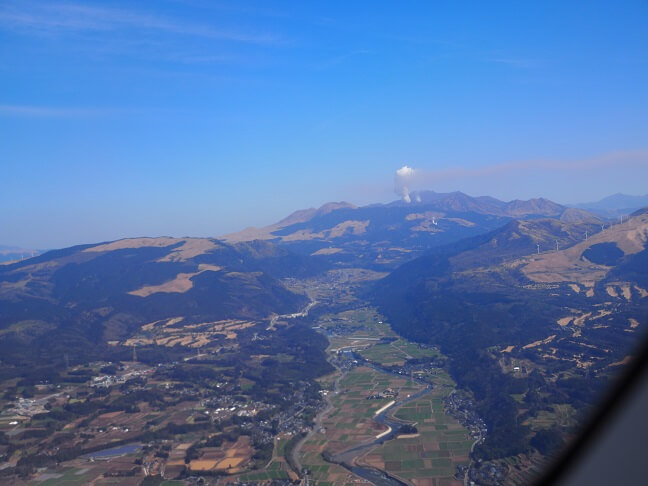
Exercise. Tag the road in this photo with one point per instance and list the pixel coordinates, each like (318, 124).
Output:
(472, 448)
(318, 422)
(274, 319)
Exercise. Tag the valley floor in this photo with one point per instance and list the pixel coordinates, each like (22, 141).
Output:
(391, 414)
(365, 386)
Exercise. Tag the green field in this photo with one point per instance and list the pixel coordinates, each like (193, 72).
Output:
(351, 420)
(276, 470)
(397, 352)
(71, 476)
(441, 445)
(563, 415)
(442, 442)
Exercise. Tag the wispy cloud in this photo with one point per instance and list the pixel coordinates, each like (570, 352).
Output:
(515, 179)
(33, 111)
(516, 62)
(626, 159)
(57, 17)
(334, 61)
(513, 60)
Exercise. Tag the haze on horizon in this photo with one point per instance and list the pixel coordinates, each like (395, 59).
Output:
(201, 118)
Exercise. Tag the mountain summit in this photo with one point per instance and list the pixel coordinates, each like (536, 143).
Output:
(385, 235)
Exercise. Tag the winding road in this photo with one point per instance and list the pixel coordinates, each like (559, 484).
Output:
(294, 455)
(274, 319)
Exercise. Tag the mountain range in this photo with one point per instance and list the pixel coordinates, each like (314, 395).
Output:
(615, 205)
(81, 298)
(383, 236)
(93, 294)
(548, 325)
(535, 304)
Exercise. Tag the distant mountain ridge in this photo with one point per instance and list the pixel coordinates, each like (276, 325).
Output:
(303, 215)
(453, 201)
(615, 205)
(384, 235)
(13, 253)
(459, 201)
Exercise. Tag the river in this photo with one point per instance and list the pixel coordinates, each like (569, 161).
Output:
(347, 458)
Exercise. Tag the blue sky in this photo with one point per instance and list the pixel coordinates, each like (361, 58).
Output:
(200, 118)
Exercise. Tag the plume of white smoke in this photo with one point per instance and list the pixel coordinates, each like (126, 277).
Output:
(402, 182)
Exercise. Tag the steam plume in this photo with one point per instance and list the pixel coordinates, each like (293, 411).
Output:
(402, 180)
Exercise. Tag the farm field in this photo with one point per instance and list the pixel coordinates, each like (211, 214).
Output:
(71, 476)
(81, 472)
(524, 466)
(562, 415)
(278, 470)
(397, 352)
(429, 457)
(432, 454)
(229, 458)
(350, 421)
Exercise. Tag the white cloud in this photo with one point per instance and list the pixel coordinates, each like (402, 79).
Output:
(55, 111)
(56, 17)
